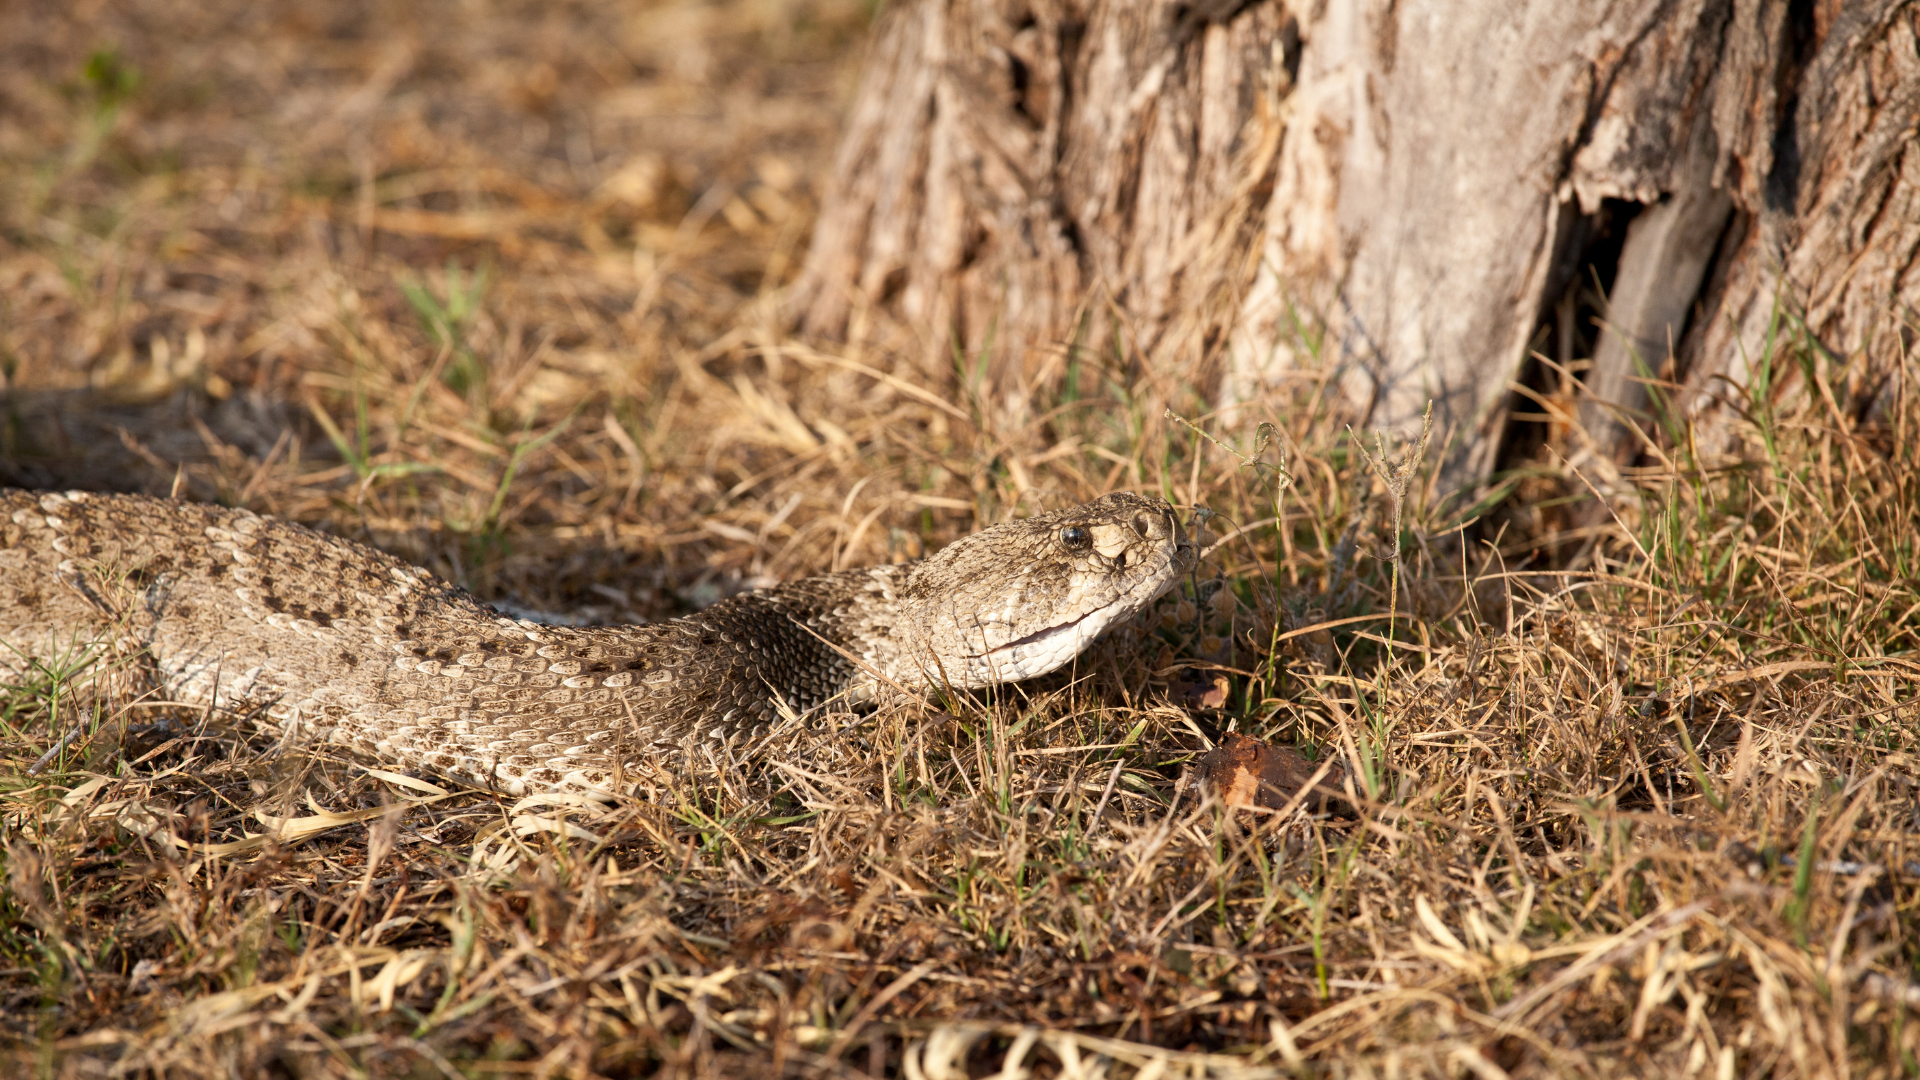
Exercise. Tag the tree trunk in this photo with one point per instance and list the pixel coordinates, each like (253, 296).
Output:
(1021, 178)
(1829, 224)
(1402, 196)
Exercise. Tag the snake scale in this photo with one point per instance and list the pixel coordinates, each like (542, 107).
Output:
(323, 638)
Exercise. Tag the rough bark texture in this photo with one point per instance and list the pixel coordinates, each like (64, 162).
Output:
(1021, 176)
(1830, 229)
(1017, 177)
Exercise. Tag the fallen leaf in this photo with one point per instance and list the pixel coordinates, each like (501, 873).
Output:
(1209, 693)
(1250, 773)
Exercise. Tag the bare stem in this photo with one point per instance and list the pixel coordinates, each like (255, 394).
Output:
(1397, 479)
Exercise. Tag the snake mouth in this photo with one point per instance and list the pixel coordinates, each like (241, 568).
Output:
(1102, 616)
(1049, 632)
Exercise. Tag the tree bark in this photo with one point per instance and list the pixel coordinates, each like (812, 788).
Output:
(1019, 180)
(1829, 229)
(1394, 195)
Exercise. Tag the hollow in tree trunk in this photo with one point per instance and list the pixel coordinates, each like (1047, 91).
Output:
(1399, 198)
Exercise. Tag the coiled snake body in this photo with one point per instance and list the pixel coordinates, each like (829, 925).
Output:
(331, 639)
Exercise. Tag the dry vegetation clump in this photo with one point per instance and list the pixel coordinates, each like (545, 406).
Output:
(493, 285)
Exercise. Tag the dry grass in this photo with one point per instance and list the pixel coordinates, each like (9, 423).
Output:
(493, 287)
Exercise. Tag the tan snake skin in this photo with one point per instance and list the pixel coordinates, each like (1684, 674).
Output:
(329, 639)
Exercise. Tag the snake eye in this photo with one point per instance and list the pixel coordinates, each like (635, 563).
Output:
(1076, 538)
(1143, 525)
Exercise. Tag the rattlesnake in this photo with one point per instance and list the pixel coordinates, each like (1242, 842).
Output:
(324, 638)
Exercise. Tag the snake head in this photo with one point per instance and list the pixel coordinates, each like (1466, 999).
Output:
(1023, 598)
